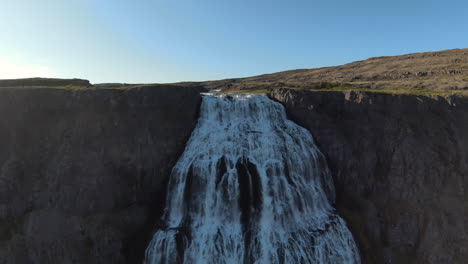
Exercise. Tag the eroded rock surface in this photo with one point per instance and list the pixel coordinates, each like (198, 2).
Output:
(82, 172)
(400, 165)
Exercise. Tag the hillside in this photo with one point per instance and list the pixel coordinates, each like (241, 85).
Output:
(440, 71)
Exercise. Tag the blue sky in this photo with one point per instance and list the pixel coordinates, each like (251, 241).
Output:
(168, 41)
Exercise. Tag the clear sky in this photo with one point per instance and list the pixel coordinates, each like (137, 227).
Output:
(174, 40)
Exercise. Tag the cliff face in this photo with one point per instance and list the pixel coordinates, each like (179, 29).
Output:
(400, 166)
(82, 171)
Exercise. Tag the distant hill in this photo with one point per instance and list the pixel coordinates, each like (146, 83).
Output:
(439, 72)
(442, 70)
(44, 82)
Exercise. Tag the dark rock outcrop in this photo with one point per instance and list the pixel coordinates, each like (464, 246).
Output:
(400, 166)
(44, 82)
(82, 172)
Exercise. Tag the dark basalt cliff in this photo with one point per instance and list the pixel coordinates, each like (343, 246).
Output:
(82, 171)
(400, 166)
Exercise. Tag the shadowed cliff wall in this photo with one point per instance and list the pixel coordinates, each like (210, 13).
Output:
(400, 166)
(82, 171)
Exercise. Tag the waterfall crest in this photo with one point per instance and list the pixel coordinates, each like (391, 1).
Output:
(251, 187)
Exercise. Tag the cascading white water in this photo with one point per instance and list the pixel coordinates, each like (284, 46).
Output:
(251, 187)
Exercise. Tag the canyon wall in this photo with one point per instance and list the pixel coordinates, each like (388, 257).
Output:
(82, 172)
(400, 166)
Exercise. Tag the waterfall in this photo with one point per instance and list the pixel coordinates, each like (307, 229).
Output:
(250, 187)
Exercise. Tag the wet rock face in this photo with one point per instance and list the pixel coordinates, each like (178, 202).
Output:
(400, 166)
(83, 173)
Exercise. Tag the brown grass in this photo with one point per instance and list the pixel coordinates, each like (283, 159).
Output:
(418, 73)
